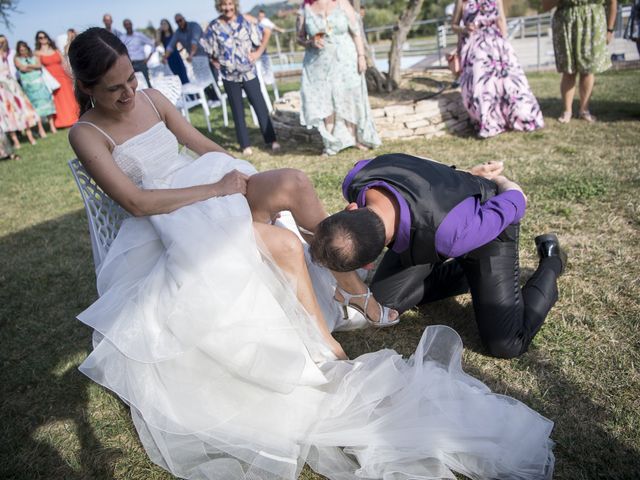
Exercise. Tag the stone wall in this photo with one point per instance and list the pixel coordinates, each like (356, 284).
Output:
(428, 118)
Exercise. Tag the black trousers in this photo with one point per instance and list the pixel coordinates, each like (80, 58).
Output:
(252, 89)
(508, 317)
(141, 66)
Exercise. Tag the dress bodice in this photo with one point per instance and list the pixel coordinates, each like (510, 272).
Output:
(151, 157)
(52, 59)
(481, 12)
(336, 23)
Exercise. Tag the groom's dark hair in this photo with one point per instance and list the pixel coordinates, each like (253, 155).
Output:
(348, 240)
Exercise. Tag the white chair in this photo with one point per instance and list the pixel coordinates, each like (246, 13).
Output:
(142, 82)
(104, 215)
(193, 93)
(169, 85)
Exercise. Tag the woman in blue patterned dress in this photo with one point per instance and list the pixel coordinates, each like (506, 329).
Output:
(234, 43)
(333, 89)
(33, 85)
(494, 87)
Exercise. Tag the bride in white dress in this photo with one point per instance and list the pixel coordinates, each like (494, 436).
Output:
(208, 327)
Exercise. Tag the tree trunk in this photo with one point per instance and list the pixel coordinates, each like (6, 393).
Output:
(376, 81)
(398, 38)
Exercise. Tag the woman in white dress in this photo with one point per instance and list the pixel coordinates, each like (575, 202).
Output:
(208, 327)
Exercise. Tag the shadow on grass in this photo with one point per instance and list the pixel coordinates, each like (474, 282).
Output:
(48, 279)
(45, 417)
(604, 110)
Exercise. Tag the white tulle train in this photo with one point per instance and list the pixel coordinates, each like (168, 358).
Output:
(227, 377)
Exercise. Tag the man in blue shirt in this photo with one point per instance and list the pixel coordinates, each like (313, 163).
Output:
(189, 35)
(135, 43)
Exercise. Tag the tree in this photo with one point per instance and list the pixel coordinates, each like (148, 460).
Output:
(7, 7)
(400, 33)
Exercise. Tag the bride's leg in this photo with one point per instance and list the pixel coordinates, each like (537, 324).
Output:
(272, 191)
(289, 189)
(286, 250)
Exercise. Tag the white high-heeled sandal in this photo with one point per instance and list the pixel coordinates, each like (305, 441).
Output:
(384, 311)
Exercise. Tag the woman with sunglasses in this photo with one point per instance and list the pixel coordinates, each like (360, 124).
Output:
(51, 58)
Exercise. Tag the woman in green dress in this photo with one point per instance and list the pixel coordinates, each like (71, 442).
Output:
(33, 85)
(581, 32)
(333, 89)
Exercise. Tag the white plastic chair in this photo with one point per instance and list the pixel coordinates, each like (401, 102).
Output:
(103, 214)
(169, 85)
(142, 81)
(200, 77)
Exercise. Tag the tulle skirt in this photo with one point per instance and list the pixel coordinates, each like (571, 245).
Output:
(227, 376)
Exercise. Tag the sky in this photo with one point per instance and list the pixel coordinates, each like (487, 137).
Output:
(56, 16)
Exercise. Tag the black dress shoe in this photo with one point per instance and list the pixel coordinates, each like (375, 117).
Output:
(548, 245)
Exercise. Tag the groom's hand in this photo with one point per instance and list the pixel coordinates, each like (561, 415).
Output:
(488, 170)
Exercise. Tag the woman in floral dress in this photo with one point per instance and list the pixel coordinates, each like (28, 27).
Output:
(333, 89)
(235, 45)
(16, 112)
(495, 90)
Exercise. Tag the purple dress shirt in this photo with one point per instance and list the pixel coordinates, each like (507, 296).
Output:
(469, 225)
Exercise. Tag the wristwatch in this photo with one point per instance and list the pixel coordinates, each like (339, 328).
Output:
(611, 30)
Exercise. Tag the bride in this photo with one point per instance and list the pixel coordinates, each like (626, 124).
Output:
(210, 327)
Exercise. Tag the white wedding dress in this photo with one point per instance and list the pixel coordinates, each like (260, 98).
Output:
(228, 378)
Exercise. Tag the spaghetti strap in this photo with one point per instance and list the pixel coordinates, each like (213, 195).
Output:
(152, 104)
(99, 129)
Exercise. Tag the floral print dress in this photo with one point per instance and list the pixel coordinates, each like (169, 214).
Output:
(494, 87)
(580, 37)
(331, 84)
(16, 111)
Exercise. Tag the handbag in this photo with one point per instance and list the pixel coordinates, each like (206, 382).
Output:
(49, 80)
(453, 60)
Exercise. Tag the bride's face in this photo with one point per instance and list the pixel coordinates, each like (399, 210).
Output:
(116, 90)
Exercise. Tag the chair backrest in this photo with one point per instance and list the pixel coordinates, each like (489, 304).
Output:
(202, 72)
(104, 215)
(142, 81)
(169, 85)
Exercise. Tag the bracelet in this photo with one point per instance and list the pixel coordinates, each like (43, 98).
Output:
(611, 30)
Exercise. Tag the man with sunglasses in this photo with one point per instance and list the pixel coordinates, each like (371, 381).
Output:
(188, 34)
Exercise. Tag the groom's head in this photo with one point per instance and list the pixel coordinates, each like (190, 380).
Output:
(348, 240)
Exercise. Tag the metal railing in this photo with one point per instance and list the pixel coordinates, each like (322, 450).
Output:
(430, 39)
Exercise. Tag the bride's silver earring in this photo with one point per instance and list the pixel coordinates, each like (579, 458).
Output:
(93, 103)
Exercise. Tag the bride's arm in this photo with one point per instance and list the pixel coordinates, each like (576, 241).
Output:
(187, 134)
(93, 151)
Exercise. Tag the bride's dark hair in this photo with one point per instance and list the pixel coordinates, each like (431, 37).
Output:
(91, 55)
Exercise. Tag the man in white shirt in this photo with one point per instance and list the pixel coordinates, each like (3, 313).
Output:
(107, 19)
(135, 42)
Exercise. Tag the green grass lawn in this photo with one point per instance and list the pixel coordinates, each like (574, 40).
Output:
(582, 180)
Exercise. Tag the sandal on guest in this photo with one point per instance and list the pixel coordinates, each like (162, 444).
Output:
(565, 117)
(384, 311)
(587, 117)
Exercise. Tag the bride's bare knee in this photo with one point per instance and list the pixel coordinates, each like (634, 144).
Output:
(289, 249)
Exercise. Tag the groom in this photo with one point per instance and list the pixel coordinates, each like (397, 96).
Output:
(448, 232)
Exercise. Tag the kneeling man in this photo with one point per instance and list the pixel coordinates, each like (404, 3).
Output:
(448, 232)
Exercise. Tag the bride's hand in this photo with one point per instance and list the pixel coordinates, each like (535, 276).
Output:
(232, 182)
